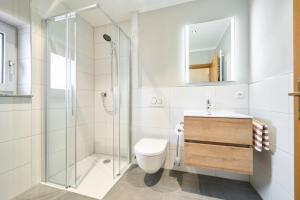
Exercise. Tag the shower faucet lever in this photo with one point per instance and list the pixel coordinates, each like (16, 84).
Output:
(103, 94)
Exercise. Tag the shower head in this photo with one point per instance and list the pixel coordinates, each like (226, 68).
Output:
(107, 37)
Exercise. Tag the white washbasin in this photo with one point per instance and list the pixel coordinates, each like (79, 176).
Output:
(215, 114)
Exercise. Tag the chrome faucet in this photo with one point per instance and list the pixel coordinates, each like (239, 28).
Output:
(208, 107)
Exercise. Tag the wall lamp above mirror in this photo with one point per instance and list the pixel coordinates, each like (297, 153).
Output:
(210, 51)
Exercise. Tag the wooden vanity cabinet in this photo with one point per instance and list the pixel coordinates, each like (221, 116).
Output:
(219, 143)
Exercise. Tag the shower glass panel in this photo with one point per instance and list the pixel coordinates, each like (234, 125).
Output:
(124, 100)
(116, 105)
(70, 118)
(60, 101)
(121, 119)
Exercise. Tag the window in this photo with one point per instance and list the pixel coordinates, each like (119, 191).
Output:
(57, 72)
(8, 58)
(2, 57)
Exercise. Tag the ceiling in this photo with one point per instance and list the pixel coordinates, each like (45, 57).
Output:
(206, 36)
(118, 10)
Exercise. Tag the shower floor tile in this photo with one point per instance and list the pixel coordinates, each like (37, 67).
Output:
(99, 179)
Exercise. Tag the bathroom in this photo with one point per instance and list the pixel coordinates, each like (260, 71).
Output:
(162, 99)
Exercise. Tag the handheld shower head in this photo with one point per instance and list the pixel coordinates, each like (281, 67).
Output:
(107, 37)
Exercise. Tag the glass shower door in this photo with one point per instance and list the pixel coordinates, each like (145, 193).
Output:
(124, 100)
(122, 104)
(61, 101)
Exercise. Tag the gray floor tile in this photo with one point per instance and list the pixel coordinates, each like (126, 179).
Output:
(169, 184)
(41, 192)
(73, 196)
(164, 185)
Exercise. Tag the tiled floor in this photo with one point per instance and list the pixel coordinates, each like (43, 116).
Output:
(175, 185)
(164, 185)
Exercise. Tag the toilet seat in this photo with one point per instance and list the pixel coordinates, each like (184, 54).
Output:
(150, 146)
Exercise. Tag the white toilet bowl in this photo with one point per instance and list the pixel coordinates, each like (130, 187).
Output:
(151, 154)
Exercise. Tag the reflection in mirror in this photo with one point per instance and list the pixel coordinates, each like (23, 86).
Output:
(210, 51)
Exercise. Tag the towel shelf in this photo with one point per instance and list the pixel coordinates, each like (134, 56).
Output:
(296, 94)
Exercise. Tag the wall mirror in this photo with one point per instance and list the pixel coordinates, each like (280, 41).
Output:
(210, 51)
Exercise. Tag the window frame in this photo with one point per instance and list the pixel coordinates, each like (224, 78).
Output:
(2, 63)
(9, 73)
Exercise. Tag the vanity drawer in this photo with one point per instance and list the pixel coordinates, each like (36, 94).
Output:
(226, 158)
(219, 130)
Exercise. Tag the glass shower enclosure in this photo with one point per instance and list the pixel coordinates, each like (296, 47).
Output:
(61, 116)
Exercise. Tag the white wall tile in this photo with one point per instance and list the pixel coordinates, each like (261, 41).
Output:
(153, 117)
(36, 122)
(21, 124)
(21, 152)
(21, 118)
(6, 156)
(271, 94)
(278, 193)
(22, 179)
(192, 97)
(281, 169)
(36, 159)
(84, 81)
(37, 99)
(7, 185)
(102, 50)
(271, 80)
(6, 126)
(102, 66)
(271, 55)
(227, 97)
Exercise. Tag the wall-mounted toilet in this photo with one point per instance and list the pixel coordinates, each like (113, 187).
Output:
(151, 154)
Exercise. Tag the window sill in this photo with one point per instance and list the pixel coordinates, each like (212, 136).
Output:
(17, 95)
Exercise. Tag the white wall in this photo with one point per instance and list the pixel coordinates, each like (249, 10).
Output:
(161, 39)
(21, 121)
(103, 120)
(271, 62)
(85, 89)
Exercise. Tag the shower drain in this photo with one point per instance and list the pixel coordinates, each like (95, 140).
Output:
(106, 161)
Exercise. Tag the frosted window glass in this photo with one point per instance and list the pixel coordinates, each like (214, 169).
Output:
(57, 72)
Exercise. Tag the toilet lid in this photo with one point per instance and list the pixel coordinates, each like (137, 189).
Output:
(150, 147)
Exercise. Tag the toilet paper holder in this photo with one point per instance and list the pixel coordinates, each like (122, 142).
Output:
(179, 130)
